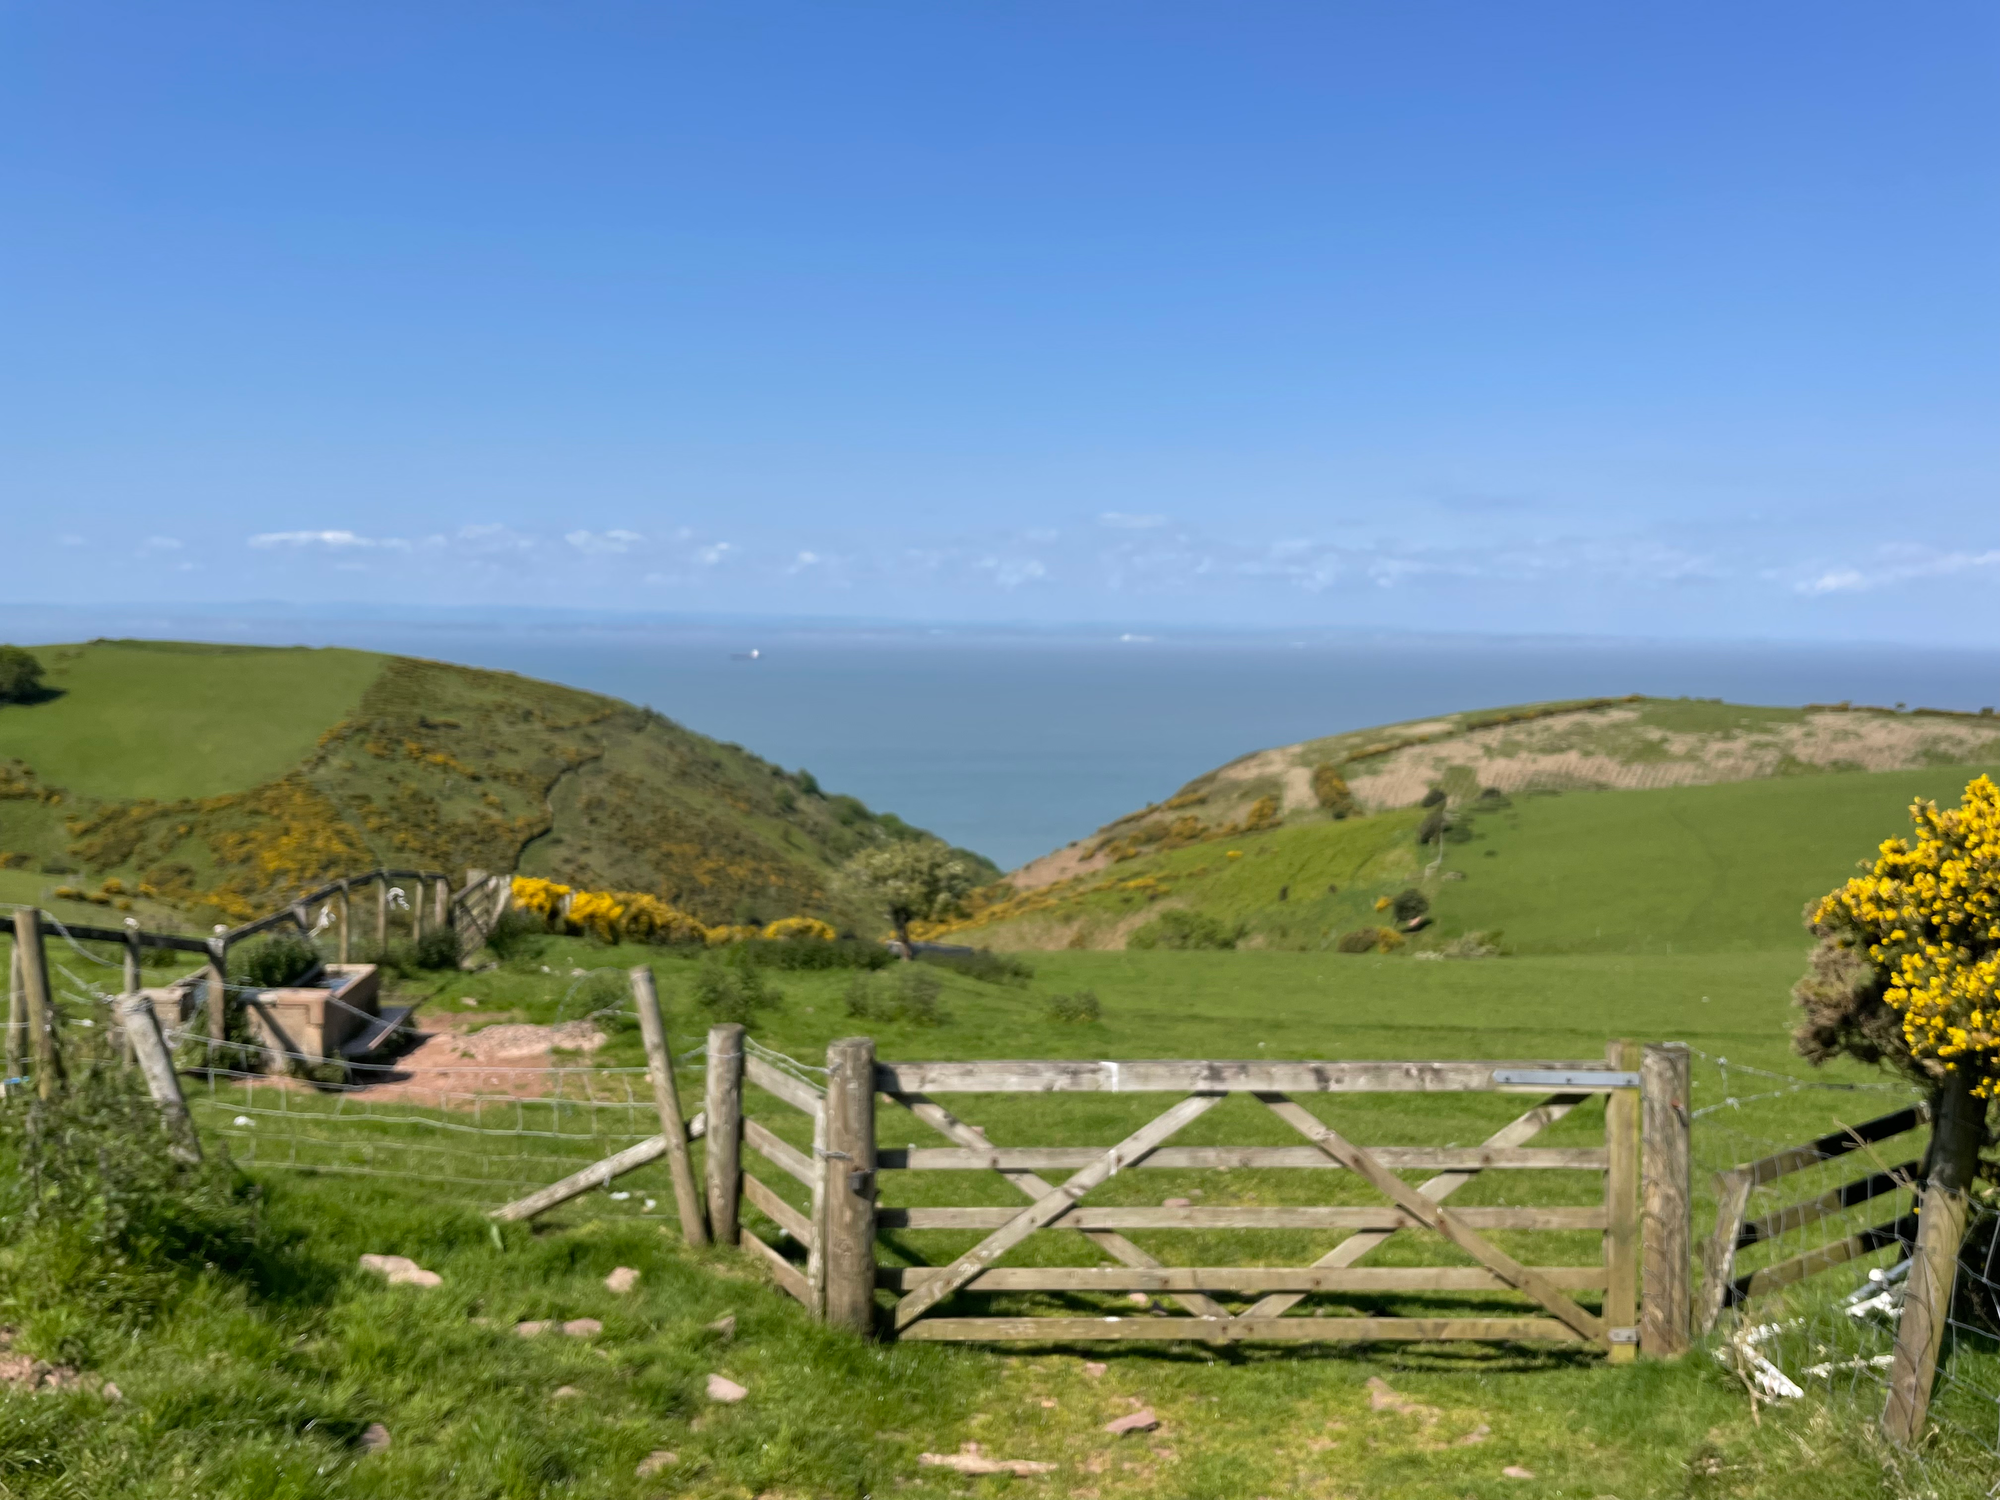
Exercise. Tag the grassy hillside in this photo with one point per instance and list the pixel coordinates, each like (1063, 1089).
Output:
(1695, 869)
(1597, 744)
(225, 779)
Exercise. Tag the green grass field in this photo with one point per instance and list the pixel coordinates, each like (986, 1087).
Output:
(132, 722)
(1655, 915)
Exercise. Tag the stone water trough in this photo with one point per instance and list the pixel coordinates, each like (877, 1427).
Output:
(334, 1016)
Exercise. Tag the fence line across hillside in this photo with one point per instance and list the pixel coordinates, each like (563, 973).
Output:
(1836, 1209)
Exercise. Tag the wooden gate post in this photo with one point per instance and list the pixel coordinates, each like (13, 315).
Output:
(723, 1145)
(217, 984)
(381, 914)
(17, 1011)
(660, 1065)
(40, 1005)
(1621, 1202)
(1958, 1125)
(133, 957)
(346, 923)
(1666, 1197)
(849, 1166)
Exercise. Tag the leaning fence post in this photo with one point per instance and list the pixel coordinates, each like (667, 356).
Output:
(849, 1255)
(1621, 1195)
(381, 913)
(346, 923)
(40, 1005)
(722, 1156)
(142, 1027)
(133, 958)
(1665, 1189)
(660, 1064)
(1958, 1123)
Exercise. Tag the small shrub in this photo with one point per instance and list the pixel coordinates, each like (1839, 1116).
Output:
(273, 961)
(1432, 827)
(1081, 1008)
(519, 934)
(788, 953)
(985, 965)
(1472, 945)
(1263, 813)
(1410, 904)
(1183, 930)
(1331, 791)
(729, 988)
(1369, 940)
(437, 949)
(1435, 797)
(1492, 799)
(905, 993)
(20, 676)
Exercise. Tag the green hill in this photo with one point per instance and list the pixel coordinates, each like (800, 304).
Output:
(1750, 812)
(225, 778)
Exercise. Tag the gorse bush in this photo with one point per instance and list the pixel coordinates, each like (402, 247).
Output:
(271, 962)
(728, 987)
(1410, 904)
(519, 934)
(97, 1212)
(905, 993)
(1183, 930)
(1369, 940)
(1080, 1008)
(1331, 791)
(985, 965)
(437, 949)
(20, 675)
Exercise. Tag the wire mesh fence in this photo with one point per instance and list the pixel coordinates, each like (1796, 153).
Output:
(1820, 1261)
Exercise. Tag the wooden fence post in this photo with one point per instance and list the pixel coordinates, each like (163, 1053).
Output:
(17, 1010)
(217, 983)
(849, 1165)
(142, 1026)
(723, 1145)
(346, 924)
(1621, 1202)
(441, 901)
(381, 913)
(133, 957)
(1666, 1194)
(1958, 1120)
(40, 1005)
(660, 1065)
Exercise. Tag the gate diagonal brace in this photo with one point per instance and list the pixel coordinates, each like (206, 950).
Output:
(1109, 1241)
(1433, 1217)
(1052, 1206)
(1517, 1132)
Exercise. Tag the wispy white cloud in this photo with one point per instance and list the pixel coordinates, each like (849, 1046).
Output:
(599, 543)
(161, 544)
(1895, 565)
(1119, 520)
(1012, 572)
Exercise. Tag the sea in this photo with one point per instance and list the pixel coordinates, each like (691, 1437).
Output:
(1017, 740)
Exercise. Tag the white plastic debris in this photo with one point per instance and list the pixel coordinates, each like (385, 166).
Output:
(243, 1120)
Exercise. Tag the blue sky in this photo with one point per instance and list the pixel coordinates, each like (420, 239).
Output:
(1672, 320)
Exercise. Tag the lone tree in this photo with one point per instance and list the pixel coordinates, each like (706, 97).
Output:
(20, 675)
(911, 880)
(1906, 975)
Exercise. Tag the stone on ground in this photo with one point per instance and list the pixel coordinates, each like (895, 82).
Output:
(1141, 1420)
(969, 1460)
(721, 1388)
(658, 1459)
(622, 1280)
(375, 1439)
(583, 1328)
(400, 1270)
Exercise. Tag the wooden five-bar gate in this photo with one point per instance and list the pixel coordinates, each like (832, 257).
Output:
(1640, 1279)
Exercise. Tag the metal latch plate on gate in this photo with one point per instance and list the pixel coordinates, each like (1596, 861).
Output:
(1622, 1335)
(1563, 1078)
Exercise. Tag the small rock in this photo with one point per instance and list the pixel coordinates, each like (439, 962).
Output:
(1048, 1403)
(400, 1270)
(1138, 1299)
(375, 1439)
(658, 1459)
(721, 1388)
(1515, 1471)
(564, 1392)
(724, 1325)
(111, 1392)
(1176, 1203)
(529, 1330)
(969, 1460)
(583, 1328)
(1478, 1434)
(622, 1280)
(1094, 1369)
(467, 1000)
(1141, 1420)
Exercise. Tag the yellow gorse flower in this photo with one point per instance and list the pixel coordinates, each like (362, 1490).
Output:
(1928, 915)
(634, 916)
